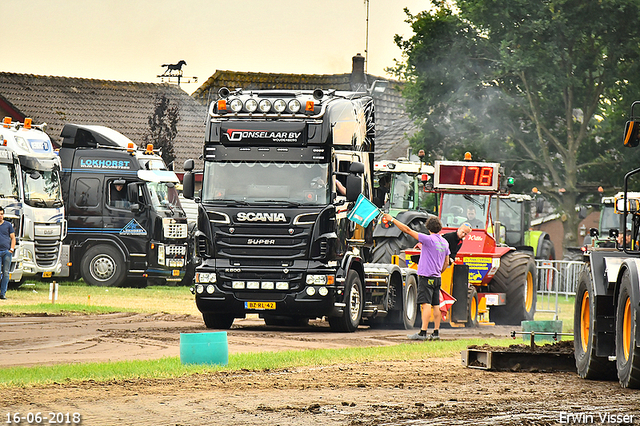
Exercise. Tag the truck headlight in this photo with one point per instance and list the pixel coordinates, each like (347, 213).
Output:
(320, 279)
(199, 289)
(206, 277)
(161, 254)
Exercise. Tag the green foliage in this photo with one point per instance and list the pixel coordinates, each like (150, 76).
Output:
(540, 86)
(163, 127)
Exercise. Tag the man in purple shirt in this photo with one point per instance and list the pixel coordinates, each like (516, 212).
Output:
(434, 259)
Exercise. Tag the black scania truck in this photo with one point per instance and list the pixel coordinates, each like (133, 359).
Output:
(281, 170)
(125, 224)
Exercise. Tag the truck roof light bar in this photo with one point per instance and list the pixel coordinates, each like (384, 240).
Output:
(7, 122)
(27, 123)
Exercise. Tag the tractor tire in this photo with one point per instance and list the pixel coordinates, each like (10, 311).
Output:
(103, 265)
(387, 247)
(548, 251)
(588, 365)
(354, 299)
(472, 313)
(221, 322)
(516, 277)
(627, 350)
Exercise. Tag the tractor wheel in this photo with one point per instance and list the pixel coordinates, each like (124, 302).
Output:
(354, 299)
(222, 322)
(387, 247)
(627, 350)
(516, 277)
(472, 313)
(589, 365)
(548, 251)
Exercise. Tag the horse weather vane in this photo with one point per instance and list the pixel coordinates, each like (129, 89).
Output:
(174, 71)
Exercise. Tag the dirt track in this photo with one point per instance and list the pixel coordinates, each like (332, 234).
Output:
(427, 392)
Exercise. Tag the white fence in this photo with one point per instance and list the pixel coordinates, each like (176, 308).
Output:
(556, 278)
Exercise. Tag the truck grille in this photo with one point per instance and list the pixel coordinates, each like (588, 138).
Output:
(175, 230)
(263, 242)
(47, 250)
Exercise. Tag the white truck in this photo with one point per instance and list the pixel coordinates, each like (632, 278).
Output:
(42, 225)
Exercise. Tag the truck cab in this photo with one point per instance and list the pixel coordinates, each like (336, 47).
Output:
(126, 224)
(42, 226)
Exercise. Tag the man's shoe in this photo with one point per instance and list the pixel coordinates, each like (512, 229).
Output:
(3, 297)
(433, 336)
(417, 336)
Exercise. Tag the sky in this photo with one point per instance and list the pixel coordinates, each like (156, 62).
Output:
(131, 40)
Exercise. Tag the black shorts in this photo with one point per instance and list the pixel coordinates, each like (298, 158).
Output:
(429, 290)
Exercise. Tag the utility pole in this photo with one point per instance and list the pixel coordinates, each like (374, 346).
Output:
(366, 46)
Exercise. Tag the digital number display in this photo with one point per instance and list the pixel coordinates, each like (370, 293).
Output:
(466, 175)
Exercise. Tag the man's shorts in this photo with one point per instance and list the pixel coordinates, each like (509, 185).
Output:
(429, 290)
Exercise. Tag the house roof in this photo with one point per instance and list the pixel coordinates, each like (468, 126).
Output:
(122, 105)
(393, 141)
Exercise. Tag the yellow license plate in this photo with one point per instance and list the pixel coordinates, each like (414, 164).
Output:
(260, 305)
(47, 274)
(176, 272)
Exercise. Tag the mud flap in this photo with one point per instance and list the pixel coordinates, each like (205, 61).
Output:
(459, 289)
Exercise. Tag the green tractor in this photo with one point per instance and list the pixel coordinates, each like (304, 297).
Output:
(399, 190)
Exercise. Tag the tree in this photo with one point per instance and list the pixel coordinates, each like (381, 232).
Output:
(533, 84)
(163, 127)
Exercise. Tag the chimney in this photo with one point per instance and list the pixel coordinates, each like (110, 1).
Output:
(358, 79)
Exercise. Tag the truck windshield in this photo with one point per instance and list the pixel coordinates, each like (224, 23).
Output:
(163, 195)
(42, 189)
(274, 182)
(8, 181)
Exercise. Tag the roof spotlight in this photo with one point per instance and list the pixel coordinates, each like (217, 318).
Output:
(318, 94)
(224, 92)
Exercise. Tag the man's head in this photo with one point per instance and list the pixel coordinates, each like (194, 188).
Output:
(471, 212)
(464, 230)
(1, 211)
(434, 225)
(119, 187)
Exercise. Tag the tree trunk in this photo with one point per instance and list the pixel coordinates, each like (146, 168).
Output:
(570, 220)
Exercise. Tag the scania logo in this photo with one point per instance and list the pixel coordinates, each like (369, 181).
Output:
(260, 241)
(260, 217)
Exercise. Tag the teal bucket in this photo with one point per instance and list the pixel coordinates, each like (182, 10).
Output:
(549, 327)
(204, 348)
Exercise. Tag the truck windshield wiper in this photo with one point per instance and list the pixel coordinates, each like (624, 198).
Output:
(229, 202)
(285, 202)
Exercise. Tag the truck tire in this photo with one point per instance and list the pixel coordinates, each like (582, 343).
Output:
(221, 322)
(588, 365)
(354, 299)
(387, 247)
(516, 277)
(405, 316)
(103, 265)
(472, 313)
(627, 351)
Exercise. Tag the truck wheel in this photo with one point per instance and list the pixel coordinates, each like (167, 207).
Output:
(588, 365)
(472, 313)
(387, 246)
(405, 316)
(516, 277)
(103, 265)
(222, 322)
(350, 318)
(627, 351)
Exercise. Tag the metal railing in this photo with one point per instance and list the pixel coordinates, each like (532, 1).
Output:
(556, 278)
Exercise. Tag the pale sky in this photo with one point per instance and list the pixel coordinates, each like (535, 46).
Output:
(130, 40)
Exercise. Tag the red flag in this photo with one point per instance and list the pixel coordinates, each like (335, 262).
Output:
(446, 300)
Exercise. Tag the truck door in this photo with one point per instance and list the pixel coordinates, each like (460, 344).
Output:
(126, 219)
(85, 207)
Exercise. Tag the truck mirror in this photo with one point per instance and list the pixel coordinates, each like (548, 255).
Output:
(354, 187)
(356, 167)
(134, 207)
(189, 165)
(188, 182)
(132, 194)
(593, 232)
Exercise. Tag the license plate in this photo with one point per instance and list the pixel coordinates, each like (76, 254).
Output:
(47, 274)
(175, 272)
(260, 305)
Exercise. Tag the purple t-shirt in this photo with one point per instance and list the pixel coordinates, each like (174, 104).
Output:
(434, 250)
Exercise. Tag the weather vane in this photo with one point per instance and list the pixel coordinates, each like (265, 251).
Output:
(174, 71)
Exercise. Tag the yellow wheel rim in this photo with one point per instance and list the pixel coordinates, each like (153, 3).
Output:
(473, 309)
(585, 321)
(626, 329)
(529, 292)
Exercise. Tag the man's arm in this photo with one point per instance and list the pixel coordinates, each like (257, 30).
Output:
(401, 226)
(446, 263)
(13, 241)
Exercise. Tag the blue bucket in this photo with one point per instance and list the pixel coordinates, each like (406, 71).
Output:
(363, 212)
(204, 348)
